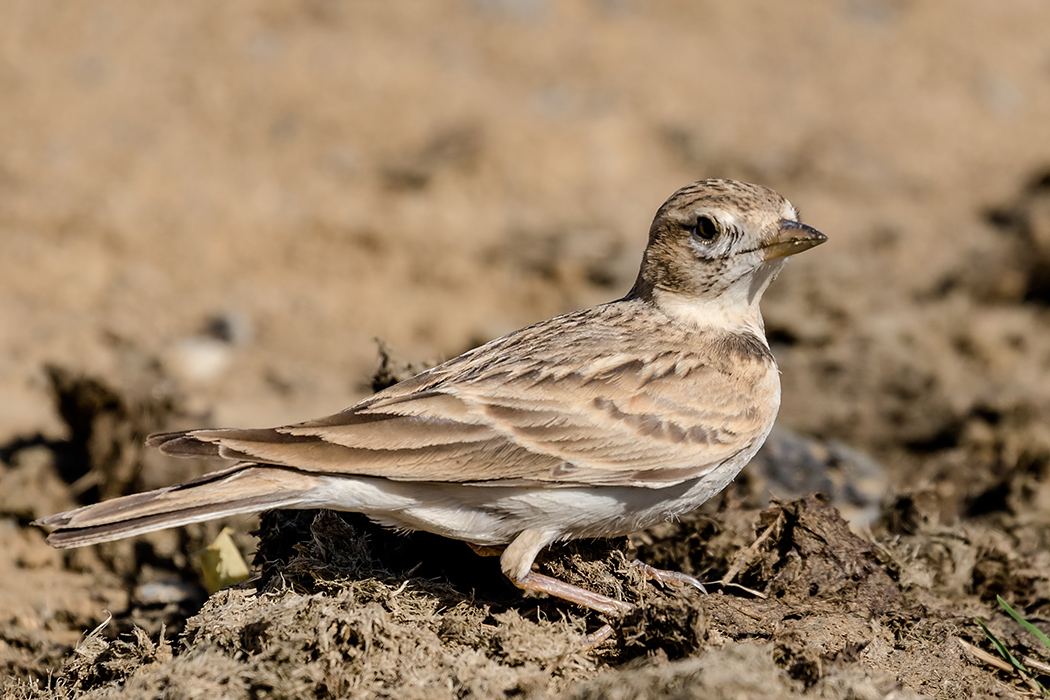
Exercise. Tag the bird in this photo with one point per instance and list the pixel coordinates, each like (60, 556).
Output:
(593, 424)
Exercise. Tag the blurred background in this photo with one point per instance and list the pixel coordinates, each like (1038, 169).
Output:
(318, 173)
(221, 205)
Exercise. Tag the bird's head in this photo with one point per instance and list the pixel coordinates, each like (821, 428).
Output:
(715, 246)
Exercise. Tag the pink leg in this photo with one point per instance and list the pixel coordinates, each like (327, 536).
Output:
(516, 563)
(599, 635)
(574, 594)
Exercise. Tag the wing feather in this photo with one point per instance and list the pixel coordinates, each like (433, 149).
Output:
(622, 416)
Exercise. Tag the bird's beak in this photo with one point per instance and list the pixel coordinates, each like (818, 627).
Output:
(793, 237)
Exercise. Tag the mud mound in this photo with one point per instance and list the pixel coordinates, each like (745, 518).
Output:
(801, 607)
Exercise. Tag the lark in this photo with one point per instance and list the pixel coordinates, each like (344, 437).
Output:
(598, 423)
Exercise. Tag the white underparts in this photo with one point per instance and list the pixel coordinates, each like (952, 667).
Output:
(495, 515)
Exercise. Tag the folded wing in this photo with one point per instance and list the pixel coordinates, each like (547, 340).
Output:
(624, 418)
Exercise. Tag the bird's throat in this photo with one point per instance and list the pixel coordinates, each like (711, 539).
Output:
(730, 311)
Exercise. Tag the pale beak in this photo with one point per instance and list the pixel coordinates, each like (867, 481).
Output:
(792, 238)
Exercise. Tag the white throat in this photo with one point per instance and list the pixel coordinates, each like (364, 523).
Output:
(718, 313)
(735, 309)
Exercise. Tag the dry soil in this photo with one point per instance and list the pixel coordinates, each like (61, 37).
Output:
(208, 211)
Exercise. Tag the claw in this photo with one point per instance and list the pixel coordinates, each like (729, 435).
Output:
(672, 578)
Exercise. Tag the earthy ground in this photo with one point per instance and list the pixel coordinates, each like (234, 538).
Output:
(208, 211)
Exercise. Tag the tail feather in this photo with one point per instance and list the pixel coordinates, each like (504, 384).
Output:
(247, 488)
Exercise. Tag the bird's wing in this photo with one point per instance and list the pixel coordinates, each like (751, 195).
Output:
(500, 414)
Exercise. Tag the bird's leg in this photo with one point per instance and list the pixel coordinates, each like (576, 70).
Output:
(516, 563)
(672, 578)
(574, 594)
(599, 635)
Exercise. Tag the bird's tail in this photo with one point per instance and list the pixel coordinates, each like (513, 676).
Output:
(243, 488)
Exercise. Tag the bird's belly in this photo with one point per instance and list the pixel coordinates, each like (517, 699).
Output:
(495, 515)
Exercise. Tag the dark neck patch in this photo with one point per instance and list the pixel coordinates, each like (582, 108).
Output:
(746, 345)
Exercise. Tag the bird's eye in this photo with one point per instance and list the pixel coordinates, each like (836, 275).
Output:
(704, 230)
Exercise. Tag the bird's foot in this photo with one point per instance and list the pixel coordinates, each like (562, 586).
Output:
(671, 578)
(574, 594)
(599, 635)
